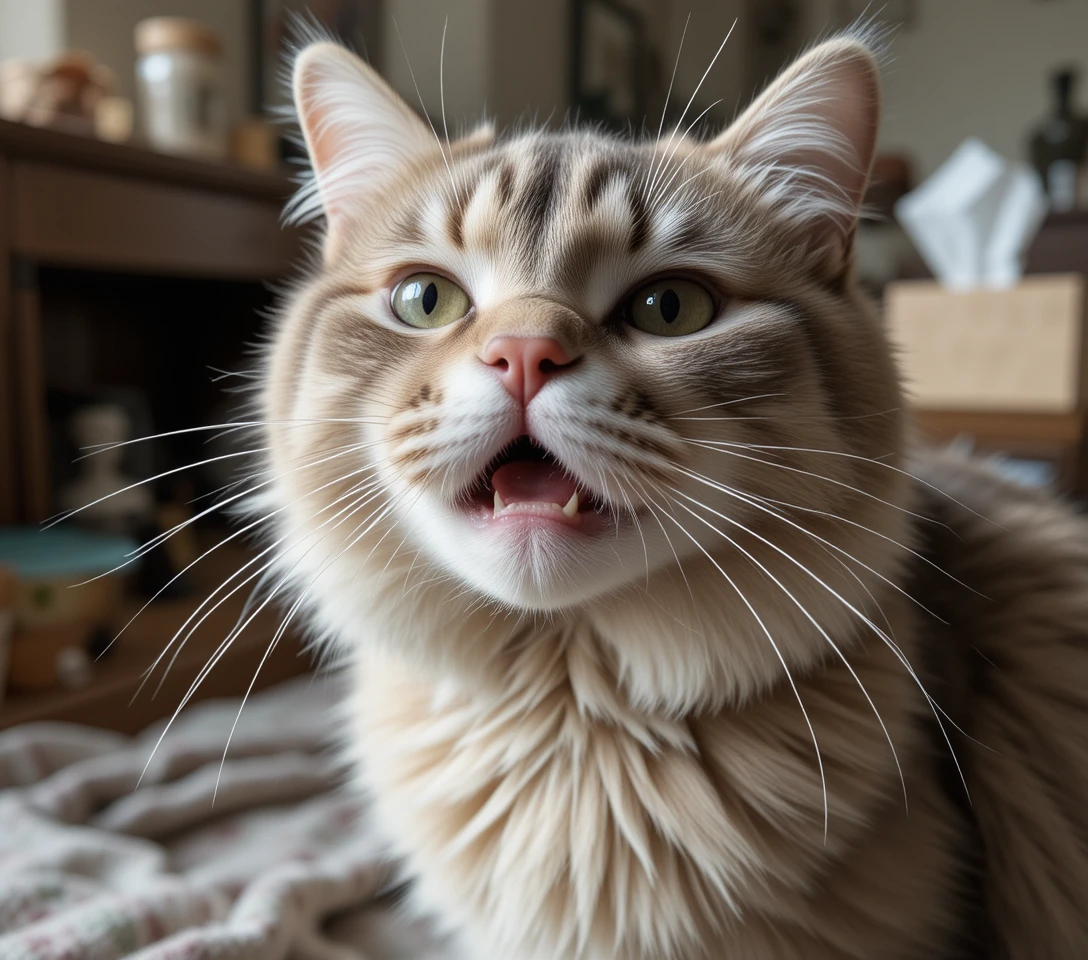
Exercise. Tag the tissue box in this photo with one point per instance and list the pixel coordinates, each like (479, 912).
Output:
(1020, 349)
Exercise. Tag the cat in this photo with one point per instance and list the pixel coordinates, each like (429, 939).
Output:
(667, 640)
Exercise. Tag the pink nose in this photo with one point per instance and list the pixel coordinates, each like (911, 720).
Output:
(524, 364)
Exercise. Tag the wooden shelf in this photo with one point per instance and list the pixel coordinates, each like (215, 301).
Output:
(1041, 428)
(1059, 438)
(75, 203)
(105, 702)
(20, 141)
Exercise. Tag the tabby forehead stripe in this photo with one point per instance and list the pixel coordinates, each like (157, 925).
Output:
(506, 183)
(455, 223)
(640, 227)
(598, 178)
(537, 203)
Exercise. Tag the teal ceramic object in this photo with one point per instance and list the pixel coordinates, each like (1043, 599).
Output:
(61, 552)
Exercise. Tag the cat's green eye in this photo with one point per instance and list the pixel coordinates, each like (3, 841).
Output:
(427, 300)
(672, 307)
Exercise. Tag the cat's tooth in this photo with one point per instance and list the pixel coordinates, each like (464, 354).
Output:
(571, 509)
(499, 505)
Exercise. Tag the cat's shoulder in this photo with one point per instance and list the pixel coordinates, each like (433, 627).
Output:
(1005, 568)
(1007, 541)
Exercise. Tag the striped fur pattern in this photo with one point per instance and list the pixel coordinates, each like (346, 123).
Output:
(725, 728)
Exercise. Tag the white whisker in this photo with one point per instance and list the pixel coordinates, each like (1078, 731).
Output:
(221, 650)
(753, 500)
(96, 448)
(778, 654)
(691, 100)
(849, 606)
(452, 198)
(817, 476)
(804, 611)
(856, 456)
(366, 486)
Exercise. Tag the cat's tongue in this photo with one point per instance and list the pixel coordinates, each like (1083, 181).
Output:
(532, 481)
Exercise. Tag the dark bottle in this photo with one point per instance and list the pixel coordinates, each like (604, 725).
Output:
(1059, 148)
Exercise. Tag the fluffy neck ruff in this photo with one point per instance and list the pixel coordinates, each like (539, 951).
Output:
(552, 794)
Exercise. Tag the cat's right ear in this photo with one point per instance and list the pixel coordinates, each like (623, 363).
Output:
(358, 132)
(808, 142)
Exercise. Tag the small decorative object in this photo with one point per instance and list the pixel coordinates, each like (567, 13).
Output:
(56, 613)
(7, 623)
(18, 81)
(253, 144)
(973, 220)
(608, 62)
(113, 119)
(1059, 148)
(64, 94)
(180, 86)
(101, 491)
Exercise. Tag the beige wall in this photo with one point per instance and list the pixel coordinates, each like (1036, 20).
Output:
(468, 39)
(530, 61)
(509, 58)
(975, 67)
(711, 21)
(31, 29)
(512, 57)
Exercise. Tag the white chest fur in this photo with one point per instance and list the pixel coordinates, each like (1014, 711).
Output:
(543, 831)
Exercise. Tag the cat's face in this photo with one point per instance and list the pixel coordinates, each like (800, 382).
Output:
(547, 367)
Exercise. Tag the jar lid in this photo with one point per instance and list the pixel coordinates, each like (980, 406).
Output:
(174, 33)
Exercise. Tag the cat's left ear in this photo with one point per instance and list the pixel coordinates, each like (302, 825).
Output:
(808, 142)
(359, 132)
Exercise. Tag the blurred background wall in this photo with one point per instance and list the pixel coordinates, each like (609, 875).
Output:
(957, 64)
(977, 65)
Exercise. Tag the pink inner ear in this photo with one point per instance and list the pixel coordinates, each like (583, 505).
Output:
(359, 132)
(855, 115)
(813, 133)
(321, 136)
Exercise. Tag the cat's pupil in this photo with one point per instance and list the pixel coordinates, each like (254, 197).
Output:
(430, 298)
(670, 306)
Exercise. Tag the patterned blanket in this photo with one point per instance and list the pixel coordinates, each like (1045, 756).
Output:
(94, 867)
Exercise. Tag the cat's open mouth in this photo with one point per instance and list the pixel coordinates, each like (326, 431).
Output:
(525, 480)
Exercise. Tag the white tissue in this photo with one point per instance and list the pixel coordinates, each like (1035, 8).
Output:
(973, 220)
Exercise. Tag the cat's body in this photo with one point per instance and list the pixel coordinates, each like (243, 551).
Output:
(682, 715)
(557, 815)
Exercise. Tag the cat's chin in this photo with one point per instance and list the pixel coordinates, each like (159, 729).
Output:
(532, 550)
(533, 558)
(530, 532)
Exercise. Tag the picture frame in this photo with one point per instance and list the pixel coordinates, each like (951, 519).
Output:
(273, 24)
(609, 60)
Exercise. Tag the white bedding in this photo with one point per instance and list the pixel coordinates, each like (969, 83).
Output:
(92, 868)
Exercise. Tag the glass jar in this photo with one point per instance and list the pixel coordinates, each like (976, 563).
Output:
(180, 87)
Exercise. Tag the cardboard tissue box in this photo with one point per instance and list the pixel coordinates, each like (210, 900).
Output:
(983, 338)
(1015, 350)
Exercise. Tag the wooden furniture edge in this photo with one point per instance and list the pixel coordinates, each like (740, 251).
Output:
(22, 141)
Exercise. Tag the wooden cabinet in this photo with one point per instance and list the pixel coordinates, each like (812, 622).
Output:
(69, 203)
(125, 268)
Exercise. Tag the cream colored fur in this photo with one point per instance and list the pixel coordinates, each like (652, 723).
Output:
(718, 732)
